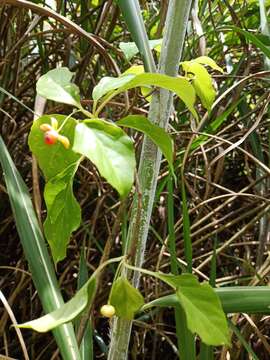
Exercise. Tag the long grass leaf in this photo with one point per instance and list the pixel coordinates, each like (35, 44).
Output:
(86, 346)
(36, 252)
(186, 228)
(185, 339)
(243, 341)
(133, 17)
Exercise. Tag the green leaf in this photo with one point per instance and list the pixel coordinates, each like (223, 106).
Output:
(110, 149)
(139, 69)
(109, 83)
(56, 85)
(130, 49)
(52, 159)
(201, 81)
(125, 298)
(63, 211)
(59, 166)
(134, 69)
(205, 60)
(179, 85)
(251, 37)
(66, 312)
(202, 308)
(204, 312)
(154, 132)
(71, 309)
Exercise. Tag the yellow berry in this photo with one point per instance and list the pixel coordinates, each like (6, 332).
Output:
(107, 310)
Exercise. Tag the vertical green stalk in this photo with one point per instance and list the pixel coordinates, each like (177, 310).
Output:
(161, 106)
(185, 340)
(265, 29)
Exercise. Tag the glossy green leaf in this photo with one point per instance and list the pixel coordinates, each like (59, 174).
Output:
(130, 49)
(126, 299)
(110, 149)
(202, 308)
(203, 311)
(139, 69)
(66, 312)
(205, 60)
(158, 135)
(63, 211)
(201, 81)
(59, 166)
(52, 159)
(134, 69)
(109, 83)
(179, 85)
(56, 85)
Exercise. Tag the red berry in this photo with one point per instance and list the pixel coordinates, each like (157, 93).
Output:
(50, 137)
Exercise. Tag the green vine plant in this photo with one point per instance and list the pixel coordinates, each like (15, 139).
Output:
(61, 142)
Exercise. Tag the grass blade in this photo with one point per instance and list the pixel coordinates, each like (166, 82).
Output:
(36, 252)
(86, 346)
(186, 344)
(132, 14)
(243, 340)
(186, 228)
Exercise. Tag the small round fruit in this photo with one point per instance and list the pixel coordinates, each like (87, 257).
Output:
(107, 311)
(50, 137)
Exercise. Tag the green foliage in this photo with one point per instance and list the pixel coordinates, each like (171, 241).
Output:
(59, 166)
(110, 149)
(206, 60)
(130, 49)
(196, 299)
(139, 69)
(55, 85)
(52, 159)
(202, 82)
(155, 133)
(66, 312)
(108, 84)
(126, 299)
(201, 79)
(180, 86)
(254, 39)
(63, 211)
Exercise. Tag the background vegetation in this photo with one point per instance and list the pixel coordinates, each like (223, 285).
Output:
(226, 175)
